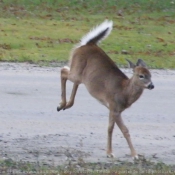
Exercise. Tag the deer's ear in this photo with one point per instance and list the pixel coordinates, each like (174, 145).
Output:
(140, 62)
(131, 65)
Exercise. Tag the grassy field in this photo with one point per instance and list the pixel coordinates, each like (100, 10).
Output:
(43, 31)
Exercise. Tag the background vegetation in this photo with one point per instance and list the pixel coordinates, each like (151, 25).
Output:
(45, 31)
(141, 167)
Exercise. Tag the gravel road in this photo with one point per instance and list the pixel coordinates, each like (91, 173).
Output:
(32, 130)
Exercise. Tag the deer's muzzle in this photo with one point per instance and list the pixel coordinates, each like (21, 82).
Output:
(150, 86)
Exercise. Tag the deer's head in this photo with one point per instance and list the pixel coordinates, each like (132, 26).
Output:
(141, 75)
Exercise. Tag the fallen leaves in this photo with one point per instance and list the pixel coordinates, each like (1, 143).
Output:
(66, 40)
(50, 42)
(172, 53)
(40, 38)
(121, 27)
(16, 10)
(166, 19)
(160, 39)
(113, 52)
(5, 46)
(48, 39)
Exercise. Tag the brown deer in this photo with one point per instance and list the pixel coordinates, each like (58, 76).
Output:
(91, 66)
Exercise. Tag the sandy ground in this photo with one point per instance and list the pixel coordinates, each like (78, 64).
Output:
(32, 130)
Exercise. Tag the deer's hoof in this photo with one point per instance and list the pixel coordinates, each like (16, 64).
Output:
(136, 157)
(111, 155)
(58, 108)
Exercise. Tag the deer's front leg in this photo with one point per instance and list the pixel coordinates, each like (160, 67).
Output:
(64, 77)
(72, 98)
(126, 134)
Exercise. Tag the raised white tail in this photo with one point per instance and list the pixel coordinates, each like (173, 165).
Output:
(98, 33)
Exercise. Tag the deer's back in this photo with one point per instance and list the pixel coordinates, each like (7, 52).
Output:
(91, 66)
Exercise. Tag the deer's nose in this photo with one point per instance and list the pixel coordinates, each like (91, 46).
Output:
(151, 86)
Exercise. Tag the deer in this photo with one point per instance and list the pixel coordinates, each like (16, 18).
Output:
(91, 66)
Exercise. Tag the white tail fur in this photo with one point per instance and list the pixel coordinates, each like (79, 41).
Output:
(96, 31)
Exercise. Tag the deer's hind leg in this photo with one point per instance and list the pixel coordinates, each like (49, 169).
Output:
(64, 76)
(110, 131)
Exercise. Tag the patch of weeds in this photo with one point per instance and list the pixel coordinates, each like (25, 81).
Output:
(119, 168)
(113, 167)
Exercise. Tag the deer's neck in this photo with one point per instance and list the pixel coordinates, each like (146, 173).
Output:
(132, 91)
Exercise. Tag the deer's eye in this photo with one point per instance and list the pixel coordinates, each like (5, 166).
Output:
(141, 76)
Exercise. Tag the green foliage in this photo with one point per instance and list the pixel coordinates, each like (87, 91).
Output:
(99, 168)
(46, 31)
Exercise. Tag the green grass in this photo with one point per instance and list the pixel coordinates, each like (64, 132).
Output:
(46, 31)
(82, 168)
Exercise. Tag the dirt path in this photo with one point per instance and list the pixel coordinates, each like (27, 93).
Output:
(32, 130)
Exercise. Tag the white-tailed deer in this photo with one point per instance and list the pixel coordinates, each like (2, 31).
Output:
(91, 66)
